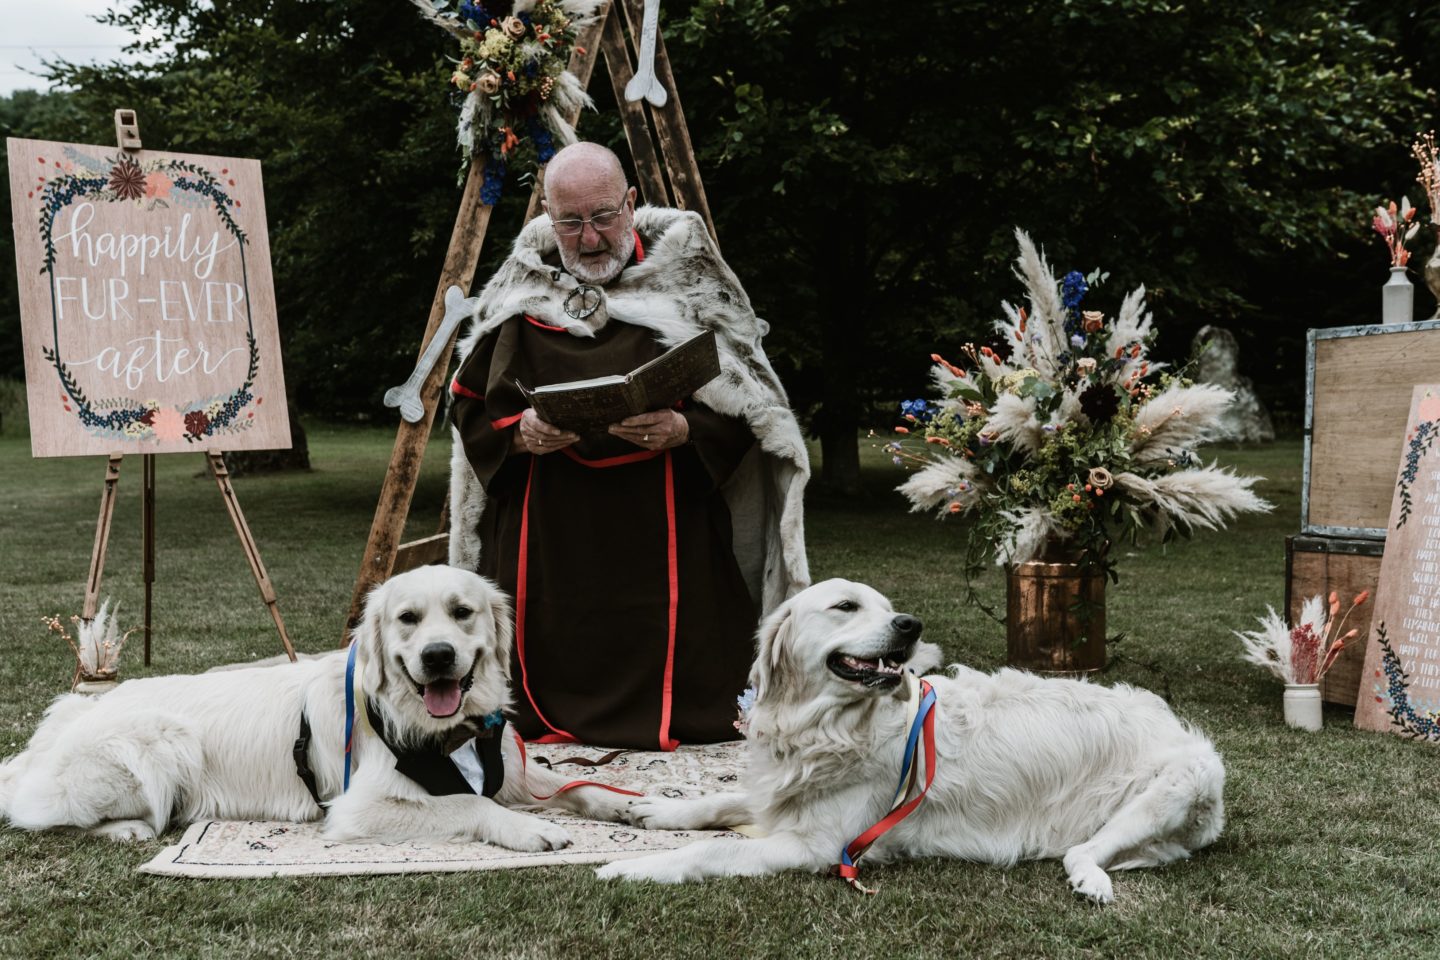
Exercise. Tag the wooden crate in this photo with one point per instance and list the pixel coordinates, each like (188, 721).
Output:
(1358, 385)
(1346, 565)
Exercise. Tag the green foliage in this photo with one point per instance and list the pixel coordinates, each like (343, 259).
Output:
(866, 165)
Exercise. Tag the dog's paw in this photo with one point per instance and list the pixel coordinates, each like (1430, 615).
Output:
(658, 868)
(661, 813)
(1092, 883)
(124, 831)
(534, 836)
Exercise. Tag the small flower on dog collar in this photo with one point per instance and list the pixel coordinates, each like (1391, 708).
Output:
(745, 702)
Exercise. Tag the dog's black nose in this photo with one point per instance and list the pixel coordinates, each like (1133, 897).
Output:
(438, 656)
(907, 626)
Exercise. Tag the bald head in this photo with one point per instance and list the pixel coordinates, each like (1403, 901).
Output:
(584, 165)
(592, 211)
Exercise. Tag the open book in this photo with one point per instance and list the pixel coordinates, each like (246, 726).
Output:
(589, 405)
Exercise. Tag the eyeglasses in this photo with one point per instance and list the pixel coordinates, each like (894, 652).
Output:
(601, 221)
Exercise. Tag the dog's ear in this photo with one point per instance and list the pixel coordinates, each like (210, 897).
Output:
(770, 642)
(367, 635)
(504, 618)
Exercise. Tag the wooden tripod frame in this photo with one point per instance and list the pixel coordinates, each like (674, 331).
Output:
(127, 136)
(675, 183)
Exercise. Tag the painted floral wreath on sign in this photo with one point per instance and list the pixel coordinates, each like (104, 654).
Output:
(514, 86)
(1394, 695)
(1417, 445)
(155, 183)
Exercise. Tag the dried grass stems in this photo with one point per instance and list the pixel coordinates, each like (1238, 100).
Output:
(96, 644)
(1304, 653)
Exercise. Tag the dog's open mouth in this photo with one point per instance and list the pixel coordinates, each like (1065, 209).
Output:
(443, 697)
(885, 670)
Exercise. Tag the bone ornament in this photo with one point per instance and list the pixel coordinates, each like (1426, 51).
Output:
(645, 85)
(407, 395)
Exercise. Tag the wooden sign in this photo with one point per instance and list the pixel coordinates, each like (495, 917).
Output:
(1400, 685)
(1358, 383)
(146, 301)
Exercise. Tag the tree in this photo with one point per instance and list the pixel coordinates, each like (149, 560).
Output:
(883, 160)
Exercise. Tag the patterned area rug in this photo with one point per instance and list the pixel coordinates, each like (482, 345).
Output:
(218, 848)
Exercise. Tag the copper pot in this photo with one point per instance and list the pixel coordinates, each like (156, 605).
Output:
(1055, 617)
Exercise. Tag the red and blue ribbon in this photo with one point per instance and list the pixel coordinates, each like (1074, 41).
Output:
(923, 726)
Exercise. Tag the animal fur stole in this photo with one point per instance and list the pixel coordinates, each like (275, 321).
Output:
(681, 288)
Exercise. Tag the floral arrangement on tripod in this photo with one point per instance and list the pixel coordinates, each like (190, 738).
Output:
(511, 77)
(1304, 653)
(1060, 434)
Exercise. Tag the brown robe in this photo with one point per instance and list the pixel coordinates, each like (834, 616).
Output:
(633, 624)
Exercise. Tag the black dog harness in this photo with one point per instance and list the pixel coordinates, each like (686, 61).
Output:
(429, 763)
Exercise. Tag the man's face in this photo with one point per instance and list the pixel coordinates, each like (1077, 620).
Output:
(596, 254)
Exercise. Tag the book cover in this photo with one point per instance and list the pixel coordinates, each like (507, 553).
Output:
(590, 405)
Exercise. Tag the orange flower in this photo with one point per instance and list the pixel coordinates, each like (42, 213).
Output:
(901, 430)
(955, 507)
(1364, 595)
(1076, 498)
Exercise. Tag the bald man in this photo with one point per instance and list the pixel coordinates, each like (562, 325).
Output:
(640, 557)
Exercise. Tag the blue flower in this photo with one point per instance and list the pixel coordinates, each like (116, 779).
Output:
(1077, 340)
(494, 184)
(919, 409)
(544, 145)
(1072, 289)
(475, 13)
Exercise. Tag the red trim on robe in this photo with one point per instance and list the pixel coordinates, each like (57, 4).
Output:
(639, 246)
(521, 576)
(545, 326)
(619, 461)
(673, 561)
(505, 423)
(460, 390)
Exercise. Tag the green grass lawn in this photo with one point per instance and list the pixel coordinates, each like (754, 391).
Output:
(1331, 847)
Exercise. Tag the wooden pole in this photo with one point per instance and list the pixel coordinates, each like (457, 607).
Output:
(102, 538)
(216, 461)
(671, 130)
(388, 527)
(147, 537)
(632, 113)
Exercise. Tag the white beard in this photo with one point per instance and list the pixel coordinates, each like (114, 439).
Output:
(606, 271)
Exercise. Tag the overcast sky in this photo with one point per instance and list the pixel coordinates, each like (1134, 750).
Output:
(52, 29)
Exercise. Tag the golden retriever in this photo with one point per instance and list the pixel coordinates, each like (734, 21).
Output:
(433, 659)
(1027, 768)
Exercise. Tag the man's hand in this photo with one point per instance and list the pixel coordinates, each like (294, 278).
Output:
(533, 435)
(656, 430)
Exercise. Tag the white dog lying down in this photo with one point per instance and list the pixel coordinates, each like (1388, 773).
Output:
(1028, 768)
(434, 655)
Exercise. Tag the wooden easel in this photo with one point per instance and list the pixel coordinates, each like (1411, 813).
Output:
(127, 136)
(675, 183)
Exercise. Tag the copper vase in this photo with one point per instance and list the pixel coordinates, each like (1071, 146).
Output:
(1055, 617)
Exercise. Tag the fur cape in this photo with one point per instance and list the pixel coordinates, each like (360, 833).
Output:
(681, 288)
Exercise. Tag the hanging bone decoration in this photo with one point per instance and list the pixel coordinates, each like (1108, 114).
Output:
(407, 395)
(645, 84)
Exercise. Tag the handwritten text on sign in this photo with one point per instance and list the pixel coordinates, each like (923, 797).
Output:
(1400, 687)
(147, 304)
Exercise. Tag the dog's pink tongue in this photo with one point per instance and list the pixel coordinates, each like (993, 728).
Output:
(442, 697)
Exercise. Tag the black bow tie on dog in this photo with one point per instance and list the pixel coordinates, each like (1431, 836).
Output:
(428, 763)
